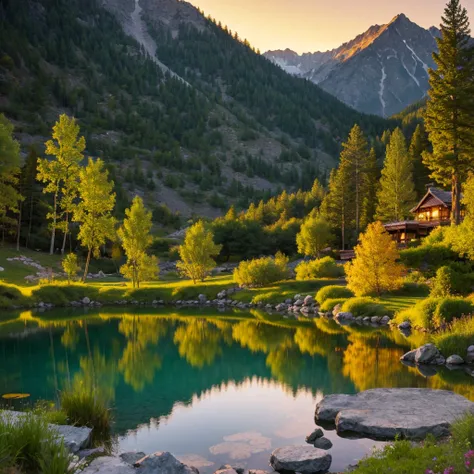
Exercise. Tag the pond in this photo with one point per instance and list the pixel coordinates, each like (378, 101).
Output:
(210, 387)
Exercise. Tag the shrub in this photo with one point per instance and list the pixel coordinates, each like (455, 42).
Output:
(442, 283)
(87, 408)
(428, 257)
(26, 442)
(456, 338)
(322, 268)
(329, 304)
(261, 271)
(331, 292)
(364, 307)
(267, 298)
(451, 308)
(421, 314)
(10, 296)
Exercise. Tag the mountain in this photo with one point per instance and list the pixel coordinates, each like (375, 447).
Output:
(381, 71)
(182, 111)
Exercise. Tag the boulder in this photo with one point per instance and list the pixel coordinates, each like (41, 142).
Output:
(163, 462)
(323, 443)
(299, 302)
(429, 354)
(108, 465)
(86, 300)
(405, 325)
(409, 356)
(132, 457)
(385, 320)
(345, 316)
(469, 358)
(221, 295)
(454, 360)
(317, 433)
(226, 470)
(309, 300)
(303, 459)
(470, 349)
(202, 299)
(385, 413)
(375, 319)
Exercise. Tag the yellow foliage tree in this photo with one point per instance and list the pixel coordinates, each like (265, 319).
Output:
(375, 268)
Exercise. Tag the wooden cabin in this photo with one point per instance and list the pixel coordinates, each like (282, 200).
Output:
(433, 210)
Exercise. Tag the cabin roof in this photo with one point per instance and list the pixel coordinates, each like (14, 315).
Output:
(434, 197)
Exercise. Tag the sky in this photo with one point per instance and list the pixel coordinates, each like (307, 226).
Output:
(316, 25)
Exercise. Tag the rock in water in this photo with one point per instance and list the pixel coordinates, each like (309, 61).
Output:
(163, 462)
(386, 413)
(132, 457)
(455, 360)
(303, 459)
(323, 443)
(317, 433)
(429, 354)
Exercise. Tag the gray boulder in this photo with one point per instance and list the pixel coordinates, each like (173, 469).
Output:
(299, 302)
(454, 360)
(409, 356)
(387, 413)
(344, 316)
(86, 300)
(323, 443)
(405, 325)
(317, 433)
(429, 354)
(132, 457)
(385, 320)
(108, 465)
(202, 299)
(303, 459)
(375, 319)
(309, 300)
(163, 462)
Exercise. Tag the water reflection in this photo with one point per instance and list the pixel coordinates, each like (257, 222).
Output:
(251, 379)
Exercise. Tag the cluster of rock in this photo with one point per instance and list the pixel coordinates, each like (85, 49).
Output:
(429, 354)
(347, 317)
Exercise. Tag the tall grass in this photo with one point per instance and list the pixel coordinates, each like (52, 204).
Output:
(28, 444)
(88, 408)
(457, 337)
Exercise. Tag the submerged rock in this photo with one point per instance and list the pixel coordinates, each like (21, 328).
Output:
(387, 413)
(163, 462)
(323, 443)
(303, 459)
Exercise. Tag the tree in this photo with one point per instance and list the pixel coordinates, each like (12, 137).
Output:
(314, 236)
(136, 239)
(197, 251)
(375, 268)
(70, 266)
(60, 174)
(94, 210)
(449, 117)
(397, 191)
(418, 145)
(9, 170)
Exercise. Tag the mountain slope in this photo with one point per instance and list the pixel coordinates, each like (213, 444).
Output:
(183, 112)
(381, 71)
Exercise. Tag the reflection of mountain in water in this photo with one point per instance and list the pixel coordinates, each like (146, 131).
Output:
(147, 363)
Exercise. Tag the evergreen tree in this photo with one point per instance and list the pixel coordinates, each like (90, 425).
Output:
(371, 185)
(397, 191)
(419, 145)
(94, 210)
(136, 239)
(9, 171)
(60, 174)
(449, 116)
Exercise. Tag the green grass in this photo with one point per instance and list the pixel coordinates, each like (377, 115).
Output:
(456, 338)
(405, 457)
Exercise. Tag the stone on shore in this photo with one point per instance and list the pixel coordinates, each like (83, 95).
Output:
(132, 457)
(317, 433)
(108, 465)
(386, 413)
(428, 354)
(455, 360)
(163, 462)
(303, 459)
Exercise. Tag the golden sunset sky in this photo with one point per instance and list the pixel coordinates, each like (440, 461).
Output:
(316, 25)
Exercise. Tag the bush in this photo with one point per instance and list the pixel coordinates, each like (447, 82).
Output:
(364, 307)
(29, 444)
(332, 292)
(329, 304)
(322, 268)
(451, 308)
(267, 298)
(442, 283)
(10, 296)
(456, 338)
(261, 271)
(420, 315)
(86, 408)
(428, 257)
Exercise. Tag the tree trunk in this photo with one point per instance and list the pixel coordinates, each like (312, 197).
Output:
(66, 230)
(53, 232)
(456, 198)
(30, 224)
(18, 230)
(86, 268)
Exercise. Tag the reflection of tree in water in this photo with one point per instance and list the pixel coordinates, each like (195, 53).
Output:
(70, 336)
(198, 342)
(140, 359)
(261, 337)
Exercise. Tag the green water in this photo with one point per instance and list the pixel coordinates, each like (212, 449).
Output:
(210, 387)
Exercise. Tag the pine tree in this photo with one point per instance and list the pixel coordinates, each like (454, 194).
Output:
(397, 191)
(375, 268)
(136, 239)
(9, 171)
(418, 145)
(60, 173)
(197, 252)
(94, 210)
(449, 115)
(371, 176)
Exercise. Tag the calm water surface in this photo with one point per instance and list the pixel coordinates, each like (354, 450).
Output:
(211, 388)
